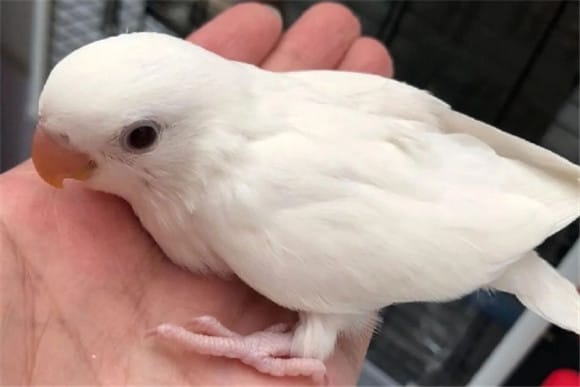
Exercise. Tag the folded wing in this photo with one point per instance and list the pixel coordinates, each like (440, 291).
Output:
(357, 210)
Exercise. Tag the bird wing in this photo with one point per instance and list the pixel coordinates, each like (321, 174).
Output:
(373, 94)
(551, 178)
(343, 211)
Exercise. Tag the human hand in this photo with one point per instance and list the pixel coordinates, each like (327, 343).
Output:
(81, 281)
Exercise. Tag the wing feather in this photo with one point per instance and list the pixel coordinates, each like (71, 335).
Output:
(395, 208)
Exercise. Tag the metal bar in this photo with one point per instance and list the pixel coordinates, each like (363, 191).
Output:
(374, 376)
(40, 37)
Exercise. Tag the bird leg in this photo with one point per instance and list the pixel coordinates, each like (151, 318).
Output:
(267, 351)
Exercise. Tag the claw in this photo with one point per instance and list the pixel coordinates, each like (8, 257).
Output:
(278, 328)
(267, 351)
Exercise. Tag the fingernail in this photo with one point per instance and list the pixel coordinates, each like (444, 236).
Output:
(275, 10)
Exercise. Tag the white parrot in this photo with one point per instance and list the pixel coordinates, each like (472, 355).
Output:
(333, 194)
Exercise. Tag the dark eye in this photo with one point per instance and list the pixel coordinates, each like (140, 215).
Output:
(141, 137)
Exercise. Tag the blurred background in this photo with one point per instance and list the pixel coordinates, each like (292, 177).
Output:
(511, 64)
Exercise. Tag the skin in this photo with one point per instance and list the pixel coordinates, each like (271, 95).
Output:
(81, 282)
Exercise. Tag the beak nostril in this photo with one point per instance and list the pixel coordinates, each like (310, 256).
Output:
(64, 138)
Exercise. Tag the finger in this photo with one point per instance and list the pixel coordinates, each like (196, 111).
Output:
(319, 39)
(245, 32)
(368, 55)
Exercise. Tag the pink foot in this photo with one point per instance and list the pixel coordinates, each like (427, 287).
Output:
(268, 351)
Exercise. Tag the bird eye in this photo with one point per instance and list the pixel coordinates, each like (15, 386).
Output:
(141, 137)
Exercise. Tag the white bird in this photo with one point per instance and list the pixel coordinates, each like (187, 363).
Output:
(333, 194)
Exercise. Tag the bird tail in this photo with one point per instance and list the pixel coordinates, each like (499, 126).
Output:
(543, 290)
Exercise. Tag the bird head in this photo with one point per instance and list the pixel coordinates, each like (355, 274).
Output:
(129, 112)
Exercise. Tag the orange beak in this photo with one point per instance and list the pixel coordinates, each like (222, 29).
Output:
(54, 162)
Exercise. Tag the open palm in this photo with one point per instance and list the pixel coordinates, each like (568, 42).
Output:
(81, 281)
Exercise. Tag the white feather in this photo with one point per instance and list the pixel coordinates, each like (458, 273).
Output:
(331, 193)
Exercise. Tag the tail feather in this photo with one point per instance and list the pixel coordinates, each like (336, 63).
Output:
(543, 290)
